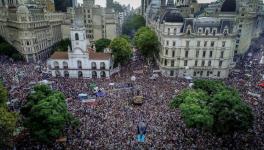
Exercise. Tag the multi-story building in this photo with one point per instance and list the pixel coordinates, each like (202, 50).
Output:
(203, 44)
(29, 28)
(99, 22)
(248, 16)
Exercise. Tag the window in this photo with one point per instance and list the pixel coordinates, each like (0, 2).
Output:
(194, 73)
(166, 52)
(205, 43)
(187, 43)
(218, 73)
(196, 63)
(206, 32)
(209, 63)
(102, 74)
(211, 54)
(165, 63)
(168, 31)
(173, 53)
(204, 53)
(197, 53)
(76, 36)
(223, 44)
(186, 53)
(171, 73)
(214, 32)
(94, 74)
(65, 65)
(175, 30)
(93, 65)
(102, 65)
(222, 54)
(208, 73)
(80, 74)
(240, 26)
(237, 41)
(56, 65)
(172, 63)
(198, 43)
(212, 43)
(185, 62)
(220, 63)
(201, 73)
(66, 74)
(167, 42)
(174, 43)
(203, 63)
(79, 64)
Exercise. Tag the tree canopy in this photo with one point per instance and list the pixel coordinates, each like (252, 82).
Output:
(101, 44)
(211, 105)
(132, 24)
(46, 114)
(63, 45)
(3, 95)
(121, 49)
(7, 126)
(147, 42)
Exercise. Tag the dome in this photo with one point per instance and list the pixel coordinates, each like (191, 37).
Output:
(229, 6)
(22, 9)
(172, 16)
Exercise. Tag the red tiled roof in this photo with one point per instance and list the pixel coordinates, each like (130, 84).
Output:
(59, 55)
(98, 55)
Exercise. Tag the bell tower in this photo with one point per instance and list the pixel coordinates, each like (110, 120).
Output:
(79, 42)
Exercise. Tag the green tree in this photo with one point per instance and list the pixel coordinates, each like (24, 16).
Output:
(200, 96)
(3, 95)
(196, 116)
(212, 105)
(101, 44)
(132, 24)
(117, 7)
(121, 50)
(7, 126)
(46, 114)
(63, 45)
(230, 113)
(210, 86)
(147, 42)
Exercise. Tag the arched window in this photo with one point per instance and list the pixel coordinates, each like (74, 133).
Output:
(76, 36)
(66, 74)
(79, 64)
(175, 31)
(189, 30)
(57, 73)
(65, 65)
(94, 74)
(56, 65)
(102, 74)
(93, 65)
(102, 65)
(80, 74)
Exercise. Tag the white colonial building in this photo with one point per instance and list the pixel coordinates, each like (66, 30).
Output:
(80, 61)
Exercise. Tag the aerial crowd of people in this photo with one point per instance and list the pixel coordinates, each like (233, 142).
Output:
(112, 122)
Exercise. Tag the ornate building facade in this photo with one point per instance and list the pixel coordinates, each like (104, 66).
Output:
(30, 28)
(199, 44)
(80, 61)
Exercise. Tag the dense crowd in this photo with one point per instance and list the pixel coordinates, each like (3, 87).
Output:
(112, 123)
